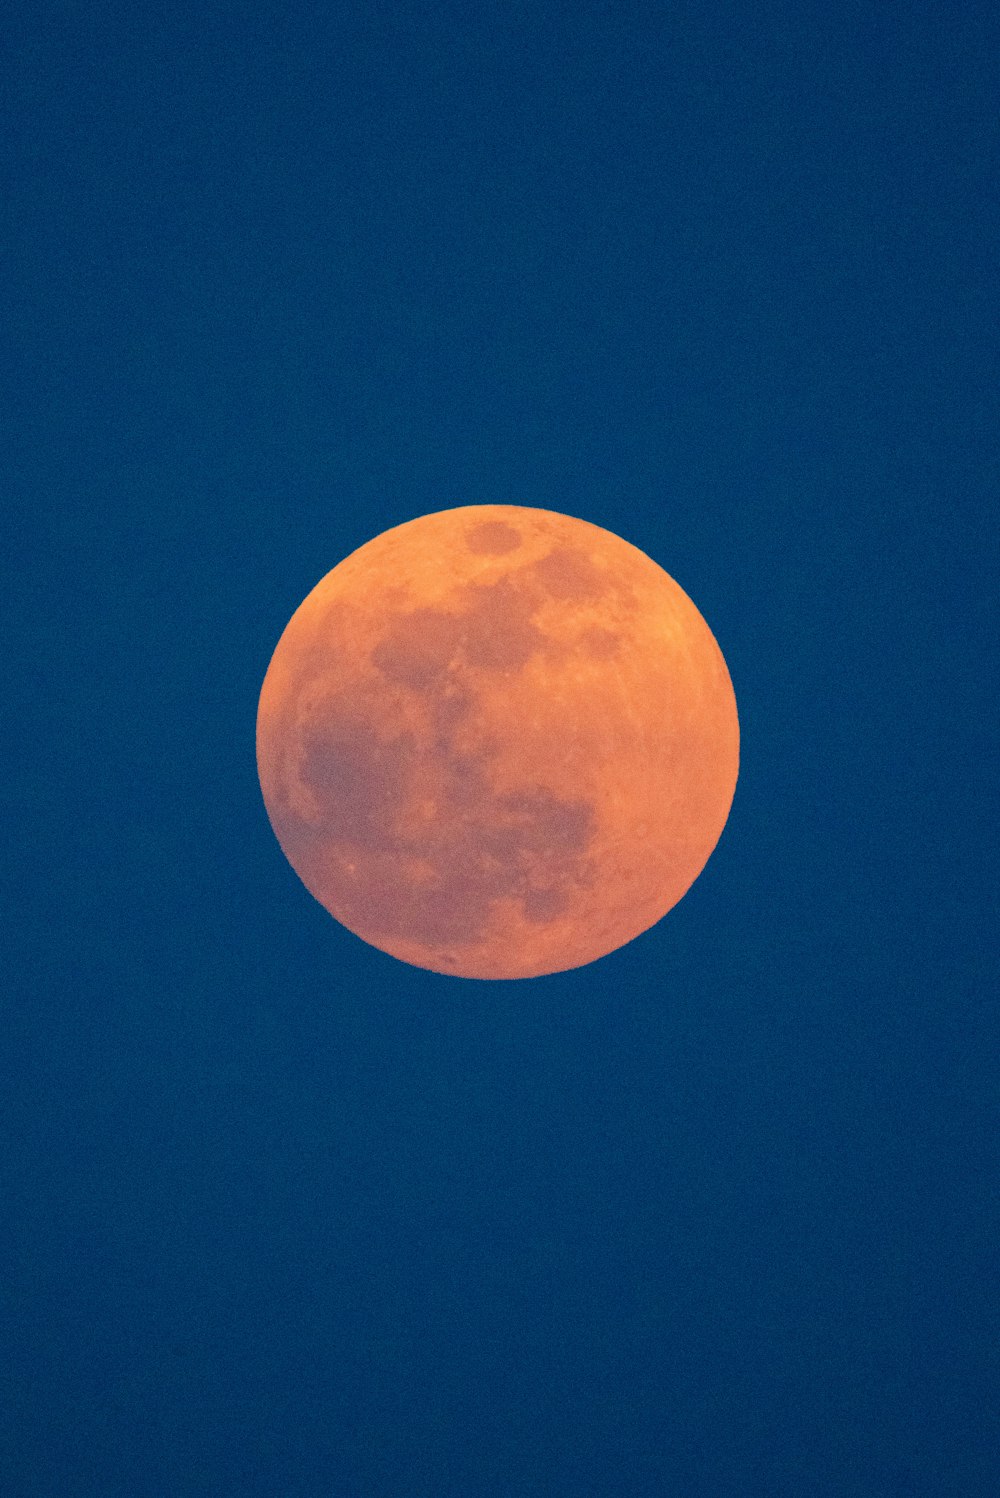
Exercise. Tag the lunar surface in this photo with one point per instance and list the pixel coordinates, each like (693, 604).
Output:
(497, 742)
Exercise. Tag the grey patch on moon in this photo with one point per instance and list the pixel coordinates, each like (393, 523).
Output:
(497, 632)
(541, 905)
(599, 642)
(434, 885)
(567, 572)
(449, 707)
(419, 647)
(492, 538)
(356, 777)
(493, 632)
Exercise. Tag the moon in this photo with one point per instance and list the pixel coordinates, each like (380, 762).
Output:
(497, 742)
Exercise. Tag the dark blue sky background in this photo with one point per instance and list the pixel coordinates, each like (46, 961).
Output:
(716, 1217)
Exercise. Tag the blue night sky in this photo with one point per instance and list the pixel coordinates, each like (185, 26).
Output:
(716, 1216)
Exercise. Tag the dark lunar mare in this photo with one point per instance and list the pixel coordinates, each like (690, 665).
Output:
(436, 884)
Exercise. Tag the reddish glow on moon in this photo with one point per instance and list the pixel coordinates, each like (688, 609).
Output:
(497, 742)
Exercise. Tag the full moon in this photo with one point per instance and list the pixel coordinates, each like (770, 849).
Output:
(497, 742)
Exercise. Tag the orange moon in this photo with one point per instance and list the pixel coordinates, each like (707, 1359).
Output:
(497, 742)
